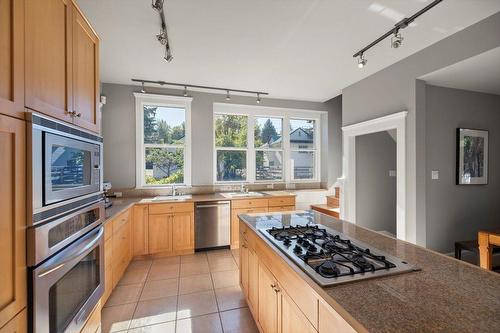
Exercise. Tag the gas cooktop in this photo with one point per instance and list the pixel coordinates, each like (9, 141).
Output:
(330, 257)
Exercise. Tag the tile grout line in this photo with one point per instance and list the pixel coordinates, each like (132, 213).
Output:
(216, 302)
(140, 294)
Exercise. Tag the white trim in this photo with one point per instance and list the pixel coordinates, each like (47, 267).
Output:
(167, 101)
(348, 204)
(285, 114)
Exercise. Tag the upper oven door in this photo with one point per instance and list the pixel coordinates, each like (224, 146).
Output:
(71, 168)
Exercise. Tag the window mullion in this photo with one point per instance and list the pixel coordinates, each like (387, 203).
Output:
(251, 165)
(287, 163)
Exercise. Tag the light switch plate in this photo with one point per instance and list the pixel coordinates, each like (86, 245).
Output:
(392, 173)
(435, 174)
(118, 194)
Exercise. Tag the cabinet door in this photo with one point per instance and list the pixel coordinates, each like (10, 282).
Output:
(160, 233)
(292, 320)
(183, 231)
(140, 230)
(12, 58)
(331, 321)
(235, 228)
(268, 301)
(48, 59)
(253, 280)
(13, 220)
(85, 73)
(19, 324)
(244, 267)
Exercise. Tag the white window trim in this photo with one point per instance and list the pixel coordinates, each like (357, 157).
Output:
(166, 101)
(273, 112)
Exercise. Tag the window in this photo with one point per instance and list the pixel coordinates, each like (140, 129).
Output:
(231, 143)
(268, 142)
(163, 140)
(302, 149)
(272, 153)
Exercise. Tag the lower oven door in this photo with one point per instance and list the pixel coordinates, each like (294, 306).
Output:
(67, 287)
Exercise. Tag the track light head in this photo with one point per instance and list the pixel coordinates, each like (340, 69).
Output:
(362, 61)
(142, 88)
(258, 98)
(228, 98)
(157, 4)
(185, 91)
(168, 54)
(396, 40)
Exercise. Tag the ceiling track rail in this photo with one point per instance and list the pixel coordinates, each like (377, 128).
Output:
(398, 26)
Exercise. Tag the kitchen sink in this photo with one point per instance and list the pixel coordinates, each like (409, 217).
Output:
(231, 195)
(172, 197)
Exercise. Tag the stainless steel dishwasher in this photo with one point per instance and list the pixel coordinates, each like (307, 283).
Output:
(212, 224)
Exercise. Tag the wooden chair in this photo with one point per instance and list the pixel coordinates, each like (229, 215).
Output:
(486, 240)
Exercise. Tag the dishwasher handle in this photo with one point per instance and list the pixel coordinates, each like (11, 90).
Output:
(212, 205)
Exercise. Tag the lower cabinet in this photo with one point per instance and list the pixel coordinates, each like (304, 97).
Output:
(18, 324)
(160, 233)
(140, 222)
(291, 318)
(268, 301)
(183, 232)
(94, 322)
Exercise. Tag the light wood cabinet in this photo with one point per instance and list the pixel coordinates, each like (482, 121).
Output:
(140, 223)
(235, 223)
(292, 320)
(94, 321)
(244, 267)
(61, 63)
(331, 321)
(108, 269)
(182, 232)
(121, 246)
(253, 280)
(18, 324)
(85, 49)
(160, 233)
(268, 301)
(13, 288)
(12, 58)
(48, 57)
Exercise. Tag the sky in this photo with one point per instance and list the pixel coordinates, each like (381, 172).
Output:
(173, 116)
(275, 121)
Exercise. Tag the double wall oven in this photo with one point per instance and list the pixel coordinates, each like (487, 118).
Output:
(65, 232)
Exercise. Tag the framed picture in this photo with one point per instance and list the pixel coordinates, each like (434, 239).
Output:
(472, 156)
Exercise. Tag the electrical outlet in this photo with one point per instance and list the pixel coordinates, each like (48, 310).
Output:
(270, 186)
(118, 194)
(392, 173)
(290, 186)
(435, 174)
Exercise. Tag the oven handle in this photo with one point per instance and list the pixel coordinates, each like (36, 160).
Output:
(91, 243)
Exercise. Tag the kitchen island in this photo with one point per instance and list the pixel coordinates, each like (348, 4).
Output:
(445, 295)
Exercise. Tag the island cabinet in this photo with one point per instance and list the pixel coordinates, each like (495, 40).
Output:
(18, 324)
(278, 297)
(61, 63)
(163, 229)
(13, 286)
(256, 205)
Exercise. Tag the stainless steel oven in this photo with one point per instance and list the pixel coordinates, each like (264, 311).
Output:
(65, 167)
(66, 287)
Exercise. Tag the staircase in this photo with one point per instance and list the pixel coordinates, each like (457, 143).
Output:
(332, 206)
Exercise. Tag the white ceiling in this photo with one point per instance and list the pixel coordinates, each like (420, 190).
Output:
(296, 49)
(480, 73)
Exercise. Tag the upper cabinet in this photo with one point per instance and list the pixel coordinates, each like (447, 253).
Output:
(61, 63)
(12, 58)
(85, 73)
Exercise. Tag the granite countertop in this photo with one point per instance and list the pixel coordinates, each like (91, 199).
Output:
(121, 204)
(446, 295)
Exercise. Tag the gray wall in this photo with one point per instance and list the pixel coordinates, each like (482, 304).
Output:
(334, 159)
(457, 212)
(118, 130)
(395, 88)
(375, 189)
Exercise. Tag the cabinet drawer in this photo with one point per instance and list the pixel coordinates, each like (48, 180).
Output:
(120, 220)
(165, 208)
(282, 209)
(282, 201)
(249, 203)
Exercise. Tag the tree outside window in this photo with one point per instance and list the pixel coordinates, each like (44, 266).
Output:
(231, 147)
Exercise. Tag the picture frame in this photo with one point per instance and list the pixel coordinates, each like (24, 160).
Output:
(472, 156)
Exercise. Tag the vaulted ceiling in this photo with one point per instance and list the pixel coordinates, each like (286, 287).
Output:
(295, 49)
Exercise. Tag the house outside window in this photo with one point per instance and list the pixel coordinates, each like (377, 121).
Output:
(163, 141)
(271, 154)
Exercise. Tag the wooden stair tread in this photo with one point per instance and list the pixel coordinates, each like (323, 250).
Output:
(328, 210)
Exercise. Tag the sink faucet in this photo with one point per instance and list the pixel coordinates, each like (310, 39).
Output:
(174, 190)
(243, 188)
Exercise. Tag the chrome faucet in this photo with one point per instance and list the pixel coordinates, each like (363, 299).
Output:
(243, 188)
(174, 190)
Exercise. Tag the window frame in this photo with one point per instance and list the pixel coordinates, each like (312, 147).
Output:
(269, 149)
(314, 150)
(142, 99)
(285, 114)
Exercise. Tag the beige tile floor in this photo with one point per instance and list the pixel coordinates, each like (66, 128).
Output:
(185, 294)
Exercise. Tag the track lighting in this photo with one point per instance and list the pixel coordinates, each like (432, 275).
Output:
(185, 86)
(157, 4)
(362, 61)
(168, 54)
(396, 40)
(163, 35)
